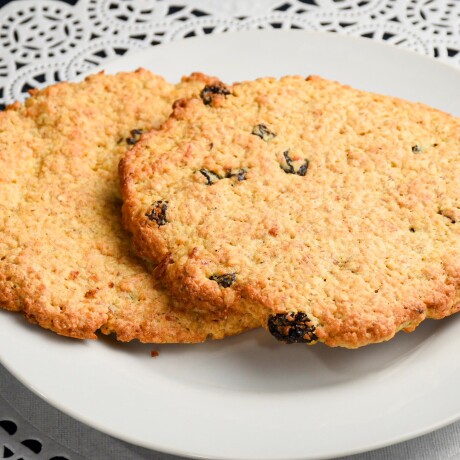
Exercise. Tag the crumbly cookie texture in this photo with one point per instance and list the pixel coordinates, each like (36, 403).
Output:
(330, 214)
(65, 260)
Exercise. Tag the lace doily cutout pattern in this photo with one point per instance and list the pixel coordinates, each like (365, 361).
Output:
(45, 41)
(40, 30)
(20, 440)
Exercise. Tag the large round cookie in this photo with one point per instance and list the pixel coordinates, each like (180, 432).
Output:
(65, 260)
(330, 214)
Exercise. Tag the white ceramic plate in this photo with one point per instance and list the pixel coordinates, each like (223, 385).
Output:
(250, 397)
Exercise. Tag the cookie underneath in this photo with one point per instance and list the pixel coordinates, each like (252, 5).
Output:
(66, 262)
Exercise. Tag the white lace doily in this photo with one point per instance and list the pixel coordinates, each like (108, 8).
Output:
(45, 41)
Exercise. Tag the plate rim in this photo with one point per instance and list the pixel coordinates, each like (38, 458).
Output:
(169, 449)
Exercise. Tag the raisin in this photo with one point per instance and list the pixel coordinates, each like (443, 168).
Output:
(211, 176)
(289, 169)
(263, 132)
(292, 328)
(303, 169)
(290, 166)
(225, 280)
(240, 174)
(416, 148)
(449, 214)
(135, 136)
(208, 92)
(158, 213)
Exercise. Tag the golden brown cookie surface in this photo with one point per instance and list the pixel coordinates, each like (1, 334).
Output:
(65, 260)
(330, 214)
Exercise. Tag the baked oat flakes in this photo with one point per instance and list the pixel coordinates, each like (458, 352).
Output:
(328, 213)
(65, 260)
